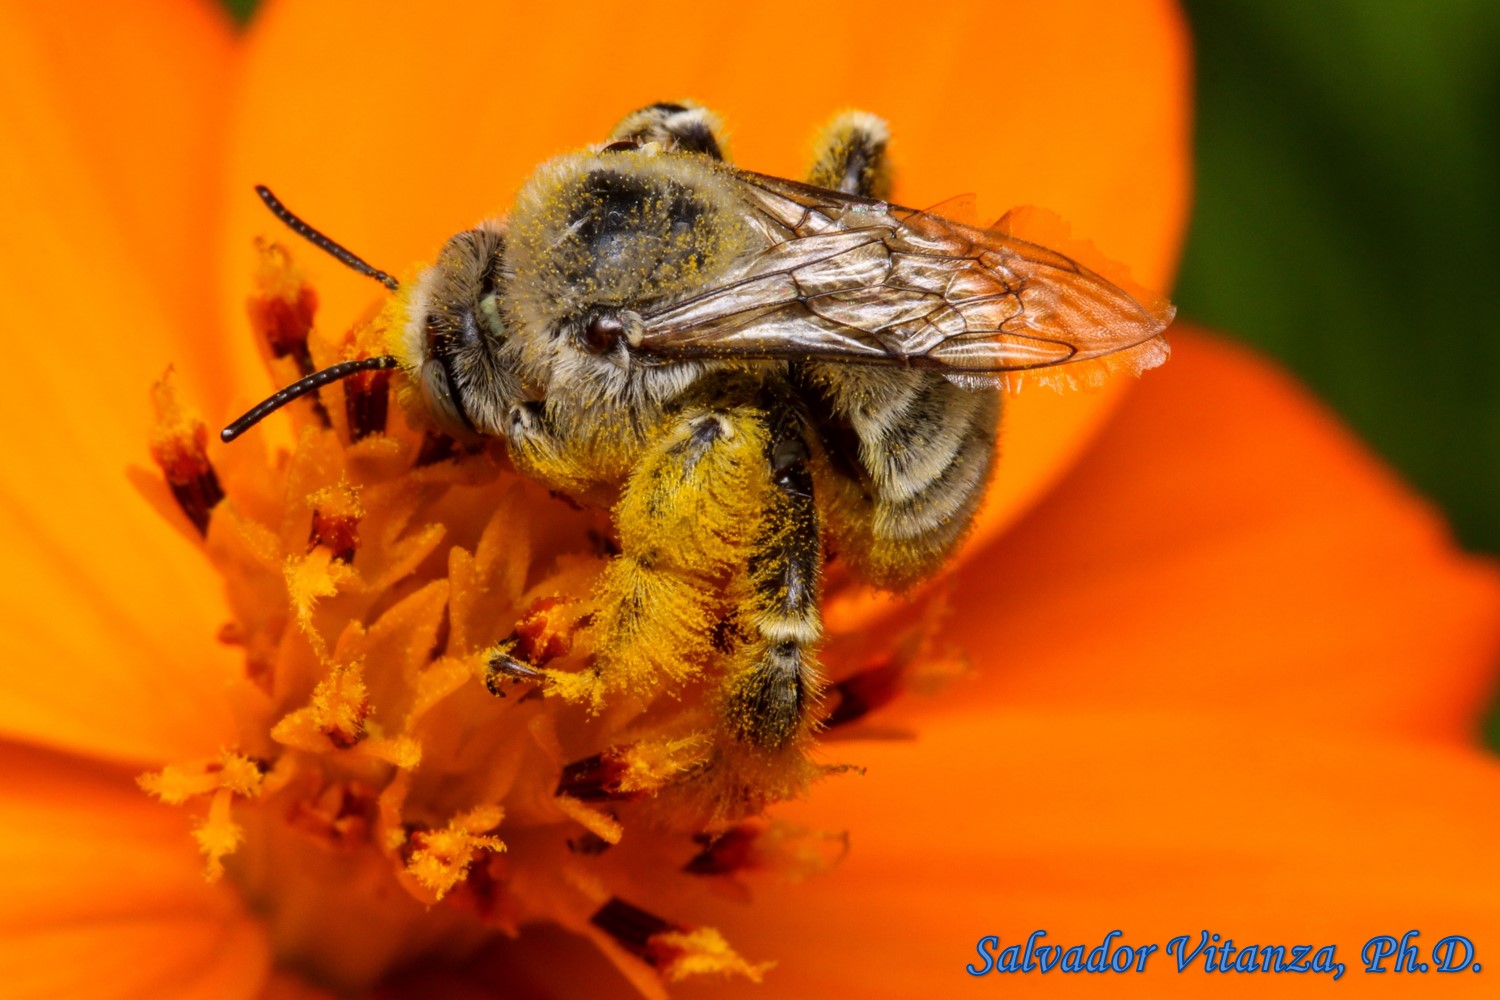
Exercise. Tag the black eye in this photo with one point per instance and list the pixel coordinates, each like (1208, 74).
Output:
(601, 332)
(443, 400)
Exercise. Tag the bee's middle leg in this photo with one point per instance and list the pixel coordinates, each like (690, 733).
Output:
(850, 155)
(679, 128)
(773, 690)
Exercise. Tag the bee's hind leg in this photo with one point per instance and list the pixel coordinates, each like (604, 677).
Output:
(772, 692)
(678, 128)
(850, 155)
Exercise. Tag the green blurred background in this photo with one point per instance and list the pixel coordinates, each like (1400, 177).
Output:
(1347, 221)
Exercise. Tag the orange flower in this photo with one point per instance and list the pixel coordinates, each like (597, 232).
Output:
(1227, 670)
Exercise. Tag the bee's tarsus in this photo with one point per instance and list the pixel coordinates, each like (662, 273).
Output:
(317, 239)
(501, 667)
(300, 388)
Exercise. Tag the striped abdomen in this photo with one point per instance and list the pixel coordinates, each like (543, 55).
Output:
(908, 455)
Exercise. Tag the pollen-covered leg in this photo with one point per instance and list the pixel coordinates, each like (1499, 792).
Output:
(679, 128)
(685, 519)
(850, 155)
(771, 691)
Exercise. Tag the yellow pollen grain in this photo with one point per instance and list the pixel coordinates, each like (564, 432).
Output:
(240, 775)
(652, 764)
(335, 713)
(176, 783)
(442, 857)
(701, 951)
(311, 577)
(606, 828)
(398, 751)
(339, 500)
(276, 276)
(179, 439)
(218, 836)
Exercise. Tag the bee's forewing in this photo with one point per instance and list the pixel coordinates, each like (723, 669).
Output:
(849, 278)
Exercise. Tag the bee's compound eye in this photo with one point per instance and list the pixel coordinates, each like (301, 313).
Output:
(601, 332)
(437, 392)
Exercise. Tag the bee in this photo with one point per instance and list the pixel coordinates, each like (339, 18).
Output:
(755, 372)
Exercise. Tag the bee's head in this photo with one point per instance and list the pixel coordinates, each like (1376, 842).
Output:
(451, 342)
(454, 338)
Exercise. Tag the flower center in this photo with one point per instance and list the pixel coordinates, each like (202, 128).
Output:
(390, 795)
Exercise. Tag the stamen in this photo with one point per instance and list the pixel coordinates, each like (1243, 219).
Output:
(588, 844)
(335, 524)
(673, 950)
(337, 711)
(282, 310)
(596, 778)
(436, 447)
(342, 815)
(232, 775)
(633, 928)
(179, 445)
(862, 693)
(731, 851)
(625, 772)
(486, 890)
(439, 859)
(366, 397)
(546, 633)
(792, 851)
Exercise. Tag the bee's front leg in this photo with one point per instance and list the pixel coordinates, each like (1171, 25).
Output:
(541, 453)
(772, 691)
(851, 156)
(677, 128)
(685, 520)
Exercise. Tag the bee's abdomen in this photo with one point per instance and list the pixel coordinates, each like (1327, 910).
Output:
(915, 452)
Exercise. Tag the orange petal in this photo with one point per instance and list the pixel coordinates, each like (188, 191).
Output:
(544, 963)
(111, 627)
(112, 156)
(105, 896)
(391, 141)
(110, 616)
(1227, 547)
(1156, 824)
(160, 958)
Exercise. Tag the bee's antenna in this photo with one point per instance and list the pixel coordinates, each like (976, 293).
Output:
(320, 241)
(302, 387)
